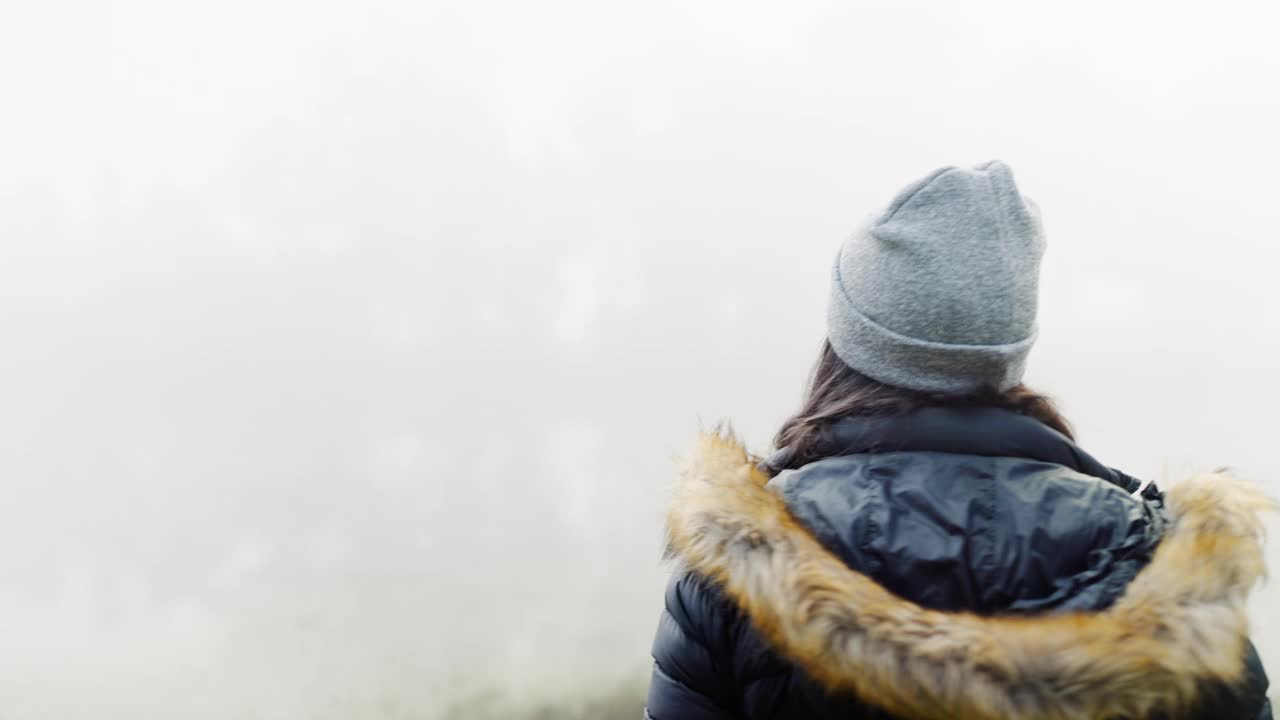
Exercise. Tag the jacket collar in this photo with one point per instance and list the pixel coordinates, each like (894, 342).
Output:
(983, 431)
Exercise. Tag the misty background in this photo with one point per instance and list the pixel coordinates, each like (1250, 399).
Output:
(347, 346)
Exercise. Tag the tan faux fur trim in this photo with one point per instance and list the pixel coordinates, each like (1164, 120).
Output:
(1181, 622)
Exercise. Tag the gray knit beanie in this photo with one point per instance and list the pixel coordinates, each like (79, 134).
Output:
(938, 292)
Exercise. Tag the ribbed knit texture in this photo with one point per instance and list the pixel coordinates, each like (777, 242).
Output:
(938, 292)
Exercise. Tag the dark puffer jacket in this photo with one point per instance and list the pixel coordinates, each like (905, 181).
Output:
(985, 515)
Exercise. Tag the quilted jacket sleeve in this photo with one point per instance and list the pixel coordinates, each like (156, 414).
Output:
(690, 656)
(1258, 684)
(1248, 701)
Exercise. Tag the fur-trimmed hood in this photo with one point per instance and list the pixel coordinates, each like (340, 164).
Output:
(1180, 626)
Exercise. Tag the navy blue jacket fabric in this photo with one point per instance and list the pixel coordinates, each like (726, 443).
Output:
(973, 509)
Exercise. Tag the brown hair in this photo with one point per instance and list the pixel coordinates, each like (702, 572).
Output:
(837, 390)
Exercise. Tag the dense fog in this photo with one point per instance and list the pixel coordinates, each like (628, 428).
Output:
(347, 346)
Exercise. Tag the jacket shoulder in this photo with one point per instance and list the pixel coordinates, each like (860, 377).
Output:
(707, 653)
(690, 675)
